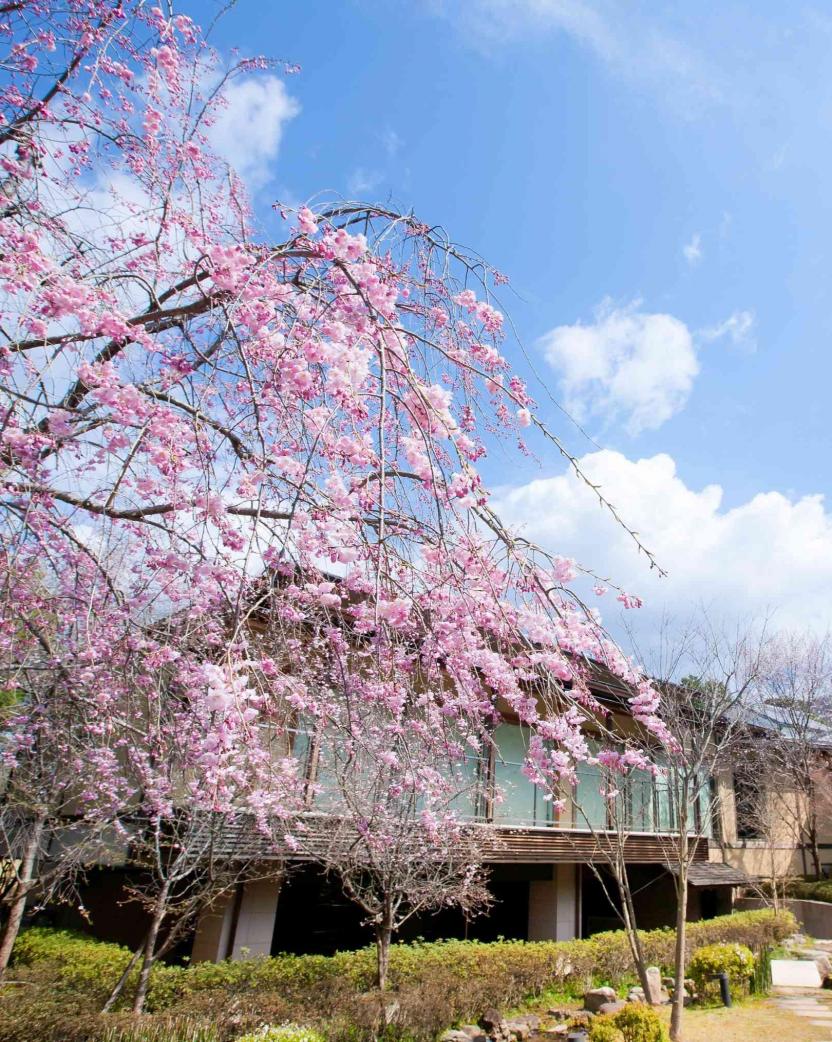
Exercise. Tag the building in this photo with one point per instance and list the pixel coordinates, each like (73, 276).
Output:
(548, 870)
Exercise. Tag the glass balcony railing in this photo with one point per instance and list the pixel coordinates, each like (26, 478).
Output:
(503, 793)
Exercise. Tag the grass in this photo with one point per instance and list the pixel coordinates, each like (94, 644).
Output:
(757, 1019)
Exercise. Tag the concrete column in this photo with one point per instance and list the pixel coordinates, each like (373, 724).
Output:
(256, 919)
(553, 905)
(213, 931)
(241, 925)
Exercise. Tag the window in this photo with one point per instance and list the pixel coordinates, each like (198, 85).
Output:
(590, 804)
(639, 792)
(747, 802)
(522, 801)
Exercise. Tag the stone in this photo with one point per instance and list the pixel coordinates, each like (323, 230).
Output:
(454, 1036)
(474, 1032)
(612, 1007)
(493, 1023)
(559, 1013)
(533, 1020)
(596, 998)
(654, 987)
(795, 973)
(635, 995)
(518, 1029)
(559, 1030)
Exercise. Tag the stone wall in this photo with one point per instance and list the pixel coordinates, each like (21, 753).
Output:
(814, 916)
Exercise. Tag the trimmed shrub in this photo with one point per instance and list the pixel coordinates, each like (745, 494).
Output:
(809, 889)
(78, 963)
(638, 1023)
(602, 1029)
(734, 959)
(66, 977)
(634, 1023)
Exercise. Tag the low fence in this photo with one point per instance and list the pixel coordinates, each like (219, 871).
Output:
(814, 916)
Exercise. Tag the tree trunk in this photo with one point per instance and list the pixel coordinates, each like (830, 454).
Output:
(22, 889)
(119, 987)
(814, 849)
(384, 935)
(150, 948)
(679, 955)
(631, 930)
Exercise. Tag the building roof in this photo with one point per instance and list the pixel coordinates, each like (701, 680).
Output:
(713, 873)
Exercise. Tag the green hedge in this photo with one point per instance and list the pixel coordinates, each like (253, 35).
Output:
(818, 890)
(801, 889)
(435, 984)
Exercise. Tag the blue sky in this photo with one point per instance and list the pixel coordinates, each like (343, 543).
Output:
(654, 173)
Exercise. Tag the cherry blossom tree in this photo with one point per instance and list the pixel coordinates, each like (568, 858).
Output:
(204, 412)
(391, 833)
(59, 798)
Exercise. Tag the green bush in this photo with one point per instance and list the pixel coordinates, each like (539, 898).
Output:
(634, 1023)
(284, 1033)
(603, 1029)
(66, 977)
(80, 964)
(803, 889)
(734, 959)
(638, 1023)
(817, 890)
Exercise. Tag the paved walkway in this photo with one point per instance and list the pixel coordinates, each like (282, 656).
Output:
(813, 1003)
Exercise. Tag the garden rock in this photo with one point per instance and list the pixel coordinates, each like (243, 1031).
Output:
(824, 964)
(473, 1032)
(455, 1036)
(656, 992)
(593, 1000)
(494, 1024)
(612, 1007)
(518, 1029)
(559, 1013)
(635, 995)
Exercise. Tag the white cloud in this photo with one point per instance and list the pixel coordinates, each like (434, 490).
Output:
(628, 364)
(632, 43)
(392, 143)
(693, 250)
(248, 130)
(362, 181)
(771, 552)
(738, 327)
